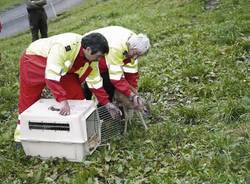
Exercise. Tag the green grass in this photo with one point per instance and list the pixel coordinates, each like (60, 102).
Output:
(7, 4)
(197, 74)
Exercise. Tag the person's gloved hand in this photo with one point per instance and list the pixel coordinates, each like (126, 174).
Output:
(113, 111)
(138, 103)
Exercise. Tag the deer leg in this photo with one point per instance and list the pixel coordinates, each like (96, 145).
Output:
(126, 119)
(139, 114)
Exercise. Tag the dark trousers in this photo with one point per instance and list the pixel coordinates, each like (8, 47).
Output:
(107, 85)
(38, 22)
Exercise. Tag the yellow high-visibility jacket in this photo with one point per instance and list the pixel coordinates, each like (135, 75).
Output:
(117, 37)
(61, 51)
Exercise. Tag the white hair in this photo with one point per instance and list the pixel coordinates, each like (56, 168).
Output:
(140, 42)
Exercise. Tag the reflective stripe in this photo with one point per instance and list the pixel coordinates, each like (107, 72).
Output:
(67, 63)
(55, 68)
(115, 68)
(131, 67)
(94, 81)
(115, 77)
(52, 76)
(97, 78)
(95, 86)
(130, 70)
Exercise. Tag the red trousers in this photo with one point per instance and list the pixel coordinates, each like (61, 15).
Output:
(32, 81)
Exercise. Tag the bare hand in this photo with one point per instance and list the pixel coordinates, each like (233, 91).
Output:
(65, 109)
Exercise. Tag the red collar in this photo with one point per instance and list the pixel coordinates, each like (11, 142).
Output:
(81, 54)
(126, 61)
(81, 57)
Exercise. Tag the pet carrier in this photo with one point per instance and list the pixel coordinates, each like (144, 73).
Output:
(46, 133)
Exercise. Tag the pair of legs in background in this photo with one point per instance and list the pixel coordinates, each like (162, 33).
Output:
(38, 22)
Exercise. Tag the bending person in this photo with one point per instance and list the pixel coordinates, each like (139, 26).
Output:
(62, 63)
(119, 68)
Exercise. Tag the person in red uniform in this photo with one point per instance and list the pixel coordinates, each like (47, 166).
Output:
(62, 63)
(119, 68)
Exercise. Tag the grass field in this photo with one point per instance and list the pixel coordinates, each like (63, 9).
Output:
(198, 76)
(6, 4)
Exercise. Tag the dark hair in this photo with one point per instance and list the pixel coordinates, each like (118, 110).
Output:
(96, 42)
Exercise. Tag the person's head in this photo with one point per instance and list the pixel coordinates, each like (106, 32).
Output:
(95, 45)
(138, 45)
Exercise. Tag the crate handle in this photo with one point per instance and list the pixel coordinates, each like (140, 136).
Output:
(52, 108)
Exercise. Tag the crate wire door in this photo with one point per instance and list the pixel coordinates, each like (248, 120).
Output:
(110, 127)
(93, 131)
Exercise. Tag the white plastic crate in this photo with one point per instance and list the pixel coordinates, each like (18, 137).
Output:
(46, 133)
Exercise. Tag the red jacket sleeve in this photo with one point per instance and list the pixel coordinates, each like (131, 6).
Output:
(101, 95)
(56, 89)
(132, 79)
(122, 86)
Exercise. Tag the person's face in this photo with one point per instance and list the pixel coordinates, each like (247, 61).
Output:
(134, 53)
(92, 57)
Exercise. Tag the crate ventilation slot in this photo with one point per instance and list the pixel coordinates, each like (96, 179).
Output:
(49, 126)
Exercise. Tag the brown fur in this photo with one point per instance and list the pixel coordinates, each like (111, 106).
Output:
(129, 110)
